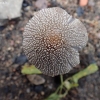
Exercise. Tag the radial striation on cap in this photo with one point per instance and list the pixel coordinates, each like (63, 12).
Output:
(52, 40)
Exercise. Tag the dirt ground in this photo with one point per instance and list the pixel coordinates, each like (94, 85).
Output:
(15, 86)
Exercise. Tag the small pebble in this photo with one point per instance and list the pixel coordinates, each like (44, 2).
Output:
(15, 78)
(25, 3)
(91, 3)
(36, 79)
(2, 81)
(40, 4)
(38, 88)
(83, 2)
(27, 8)
(2, 27)
(11, 27)
(42, 93)
(22, 59)
(63, 3)
(28, 90)
(8, 35)
(50, 86)
(80, 11)
(10, 49)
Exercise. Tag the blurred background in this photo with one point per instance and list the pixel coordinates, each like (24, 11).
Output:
(14, 14)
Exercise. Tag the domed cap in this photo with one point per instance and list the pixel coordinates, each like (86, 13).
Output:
(52, 39)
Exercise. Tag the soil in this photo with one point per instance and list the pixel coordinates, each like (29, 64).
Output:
(15, 86)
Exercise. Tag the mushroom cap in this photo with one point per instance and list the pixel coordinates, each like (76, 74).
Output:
(52, 39)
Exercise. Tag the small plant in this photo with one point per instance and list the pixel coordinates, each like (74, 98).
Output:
(52, 40)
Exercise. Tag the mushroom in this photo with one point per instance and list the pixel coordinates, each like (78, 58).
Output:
(52, 40)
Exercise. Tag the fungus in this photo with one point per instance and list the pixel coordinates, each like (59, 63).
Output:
(52, 40)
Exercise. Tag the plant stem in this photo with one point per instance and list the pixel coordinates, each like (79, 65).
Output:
(61, 78)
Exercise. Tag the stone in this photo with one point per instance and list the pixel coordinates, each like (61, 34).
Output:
(63, 3)
(79, 11)
(41, 4)
(22, 59)
(9, 9)
(28, 90)
(36, 79)
(91, 3)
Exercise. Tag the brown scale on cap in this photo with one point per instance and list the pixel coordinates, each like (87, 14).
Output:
(52, 39)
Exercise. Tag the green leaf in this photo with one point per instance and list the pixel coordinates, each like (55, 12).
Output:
(87, 71)
(73, 81)
(30, 70)
(53, 96)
